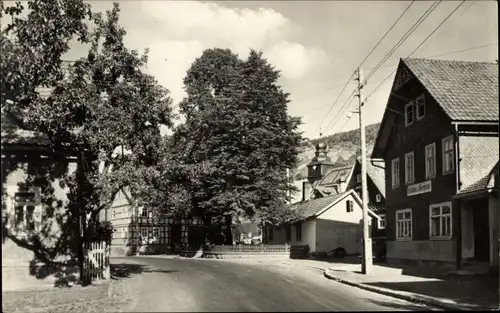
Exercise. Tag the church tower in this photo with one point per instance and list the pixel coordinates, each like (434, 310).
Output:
(319, 165)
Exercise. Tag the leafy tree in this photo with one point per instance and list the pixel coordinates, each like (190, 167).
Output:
(236, 143)
(104, 108)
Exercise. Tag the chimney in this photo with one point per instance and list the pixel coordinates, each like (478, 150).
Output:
(306, 191)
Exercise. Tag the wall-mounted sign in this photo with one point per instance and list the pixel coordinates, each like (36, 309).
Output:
(420, 188)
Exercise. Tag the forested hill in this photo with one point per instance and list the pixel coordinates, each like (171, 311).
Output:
(342, 148)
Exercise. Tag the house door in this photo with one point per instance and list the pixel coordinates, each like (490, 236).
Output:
(481, 232)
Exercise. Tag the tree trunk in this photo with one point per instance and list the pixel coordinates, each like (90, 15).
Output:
(227, 232)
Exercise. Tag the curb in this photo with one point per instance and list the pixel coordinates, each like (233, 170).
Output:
(410, 298)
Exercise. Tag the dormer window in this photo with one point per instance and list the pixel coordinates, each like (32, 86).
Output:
(420, 107)
(409, 114)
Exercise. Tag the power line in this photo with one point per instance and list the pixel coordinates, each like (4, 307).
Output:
(450, 52)
(385, 35)
(378, 43)
(422, 18)
(345, 86)
(399, 43)
(463, 12)
(435, 29)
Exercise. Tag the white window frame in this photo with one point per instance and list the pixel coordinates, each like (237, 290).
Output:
(381, 221)
(409, 180)
(144, 210)
(378, 198)
(395, 173)
(408, 105)
(407, 235)
(445, 152)
(430, 171)
(36, 214)
(441, 217)
(420, 102)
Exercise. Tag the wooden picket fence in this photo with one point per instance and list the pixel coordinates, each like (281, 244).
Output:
(251, 249)
(96, 263)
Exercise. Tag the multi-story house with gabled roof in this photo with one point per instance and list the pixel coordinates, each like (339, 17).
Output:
(439, 141)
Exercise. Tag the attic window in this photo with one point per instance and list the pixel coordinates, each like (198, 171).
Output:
(402, 78)
(420, 107)
(358, 178)
(378, 198)
(349, 206)
(409, 114)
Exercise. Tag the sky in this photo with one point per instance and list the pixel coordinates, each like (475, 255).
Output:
(316, 45)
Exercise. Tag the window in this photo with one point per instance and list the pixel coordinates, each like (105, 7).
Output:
(288, 233)
(448, 162)
(421, 107)
(395, 173)
(144, 212)
(144, 233)
(25, 209)
(430, 161)
(409, 168)
(402, 78)
(349, 206)
(378, 198)
(298, 229)
(381, 221)
(440, 220)
(409, 115)
(403, 224)
(358, 178)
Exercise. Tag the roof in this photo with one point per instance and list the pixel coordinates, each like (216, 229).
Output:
(336, 175)
(14, 133)
(314, 208)
(466, 91)
(311, 208)
(479, 159)
(377, 174)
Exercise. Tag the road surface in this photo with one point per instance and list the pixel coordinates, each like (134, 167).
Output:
(180, 285)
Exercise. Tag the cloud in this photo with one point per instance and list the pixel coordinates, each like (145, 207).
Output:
(179, 31)
(294, 59)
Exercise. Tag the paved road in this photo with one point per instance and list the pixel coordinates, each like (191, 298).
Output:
(215, 285)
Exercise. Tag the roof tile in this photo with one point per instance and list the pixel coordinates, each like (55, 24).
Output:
(467, 91)
(312, 207)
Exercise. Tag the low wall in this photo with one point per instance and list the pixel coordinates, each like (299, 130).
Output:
(256, 251)
(422, 252)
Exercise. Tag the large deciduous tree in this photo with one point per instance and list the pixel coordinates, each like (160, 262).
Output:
(236, 143)
(103, 106)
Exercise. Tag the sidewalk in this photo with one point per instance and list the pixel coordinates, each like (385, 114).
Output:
(114, 295)
(446, 290)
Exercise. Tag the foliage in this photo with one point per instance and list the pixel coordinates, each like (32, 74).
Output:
(230, 157)
(102, 231)
(103, 106)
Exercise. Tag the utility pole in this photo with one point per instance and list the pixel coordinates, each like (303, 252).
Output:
(367, 262)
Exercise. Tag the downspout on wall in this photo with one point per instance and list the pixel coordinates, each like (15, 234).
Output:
(459, 208)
